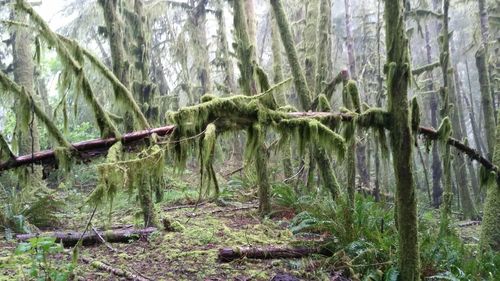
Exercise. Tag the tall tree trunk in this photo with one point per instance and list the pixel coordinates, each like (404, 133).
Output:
(279, 95)
(326, 172)
(197, 20)
(433, 101)
(349, 40)
(360, 147)
(398, 74)
(115, 32)
(246, 52)
(486, 100)
(310, 43)
(27, 134)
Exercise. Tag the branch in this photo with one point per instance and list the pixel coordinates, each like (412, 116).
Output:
(86, 149)
(98, 147)
(419, 70)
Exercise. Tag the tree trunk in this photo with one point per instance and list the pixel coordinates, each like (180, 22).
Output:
(198, 34)
(250, 87)
(279, 95)
(303, 92)
(27, 134)
(401, 139)
(486, 100)
(310, 43)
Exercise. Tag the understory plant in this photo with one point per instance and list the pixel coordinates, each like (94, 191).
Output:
(40, 261)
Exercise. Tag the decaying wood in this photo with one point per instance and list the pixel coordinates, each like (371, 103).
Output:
(70, 239)
(113, 270)
(98, 147)
(231, 254)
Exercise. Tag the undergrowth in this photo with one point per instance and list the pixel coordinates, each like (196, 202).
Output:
(373, 255)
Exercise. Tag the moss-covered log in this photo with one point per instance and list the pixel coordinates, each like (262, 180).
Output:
(69, 239)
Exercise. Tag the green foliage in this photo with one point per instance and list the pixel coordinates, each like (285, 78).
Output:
(24, 210)
(41, 263)
(450, 257)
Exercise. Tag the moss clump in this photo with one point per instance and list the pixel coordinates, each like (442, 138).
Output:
(140, 175)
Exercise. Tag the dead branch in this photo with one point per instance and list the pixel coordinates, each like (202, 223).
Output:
(113, 270)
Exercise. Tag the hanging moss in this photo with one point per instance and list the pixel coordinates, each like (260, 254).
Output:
(445, 130)
(72, 65)
(140, 174)
(64, 158)
(28, 106)
(323, 104)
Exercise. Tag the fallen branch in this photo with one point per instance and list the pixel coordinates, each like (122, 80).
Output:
(111, 236)
(103, 240)
(231, 254)
(113, 270)
(98, 147)
(86, 149)
(223, 211)
(183, 206)
(469, 223)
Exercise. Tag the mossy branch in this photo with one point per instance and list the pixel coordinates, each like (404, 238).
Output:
(125, 95)
(428, 67)
(26, 97)
(104, 122)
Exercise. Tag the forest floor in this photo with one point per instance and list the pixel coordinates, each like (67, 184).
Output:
(189, 250)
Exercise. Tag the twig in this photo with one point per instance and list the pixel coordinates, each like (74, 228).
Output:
(234, 172)
(298, 173)
(182, 206)
(102, 240)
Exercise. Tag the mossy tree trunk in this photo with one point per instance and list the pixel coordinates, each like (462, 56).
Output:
(27, 134)
(310, 42)
(130, 43)
(324, 165)
(279, 95)
(115, 32)
(398, 76)
(486, 100)
(248, 65)
(351, 57)
(445, 93)
(490, 228)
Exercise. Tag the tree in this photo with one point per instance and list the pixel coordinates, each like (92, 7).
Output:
(398, 75)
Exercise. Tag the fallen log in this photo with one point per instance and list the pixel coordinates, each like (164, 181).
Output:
(70, 239)
(85, 149)
(98, 147)
(113, 270)
(231, 254)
